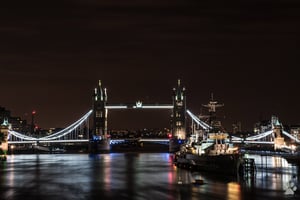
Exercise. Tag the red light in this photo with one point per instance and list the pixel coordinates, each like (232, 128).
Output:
(169, 135)
(33, 112)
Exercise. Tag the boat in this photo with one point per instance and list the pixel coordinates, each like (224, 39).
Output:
(210, 149)
(211, 157)
(57, 150)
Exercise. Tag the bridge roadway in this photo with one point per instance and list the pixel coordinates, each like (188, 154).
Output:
(122, 140)
(112, 141)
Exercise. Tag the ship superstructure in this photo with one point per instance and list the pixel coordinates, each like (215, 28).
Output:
(213, 151)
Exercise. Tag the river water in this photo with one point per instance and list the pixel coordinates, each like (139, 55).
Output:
(136, 176)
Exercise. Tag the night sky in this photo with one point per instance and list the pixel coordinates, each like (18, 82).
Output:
(247, 53)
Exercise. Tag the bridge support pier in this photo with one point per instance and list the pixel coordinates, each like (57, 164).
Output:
(100, 146)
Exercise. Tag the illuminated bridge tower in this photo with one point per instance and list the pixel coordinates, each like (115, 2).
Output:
(99, 140)
(178, 118)
(277, 130)
(4, 127)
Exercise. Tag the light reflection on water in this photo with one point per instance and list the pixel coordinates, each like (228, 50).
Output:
(233, 191)
(133, 176)
(273, 172)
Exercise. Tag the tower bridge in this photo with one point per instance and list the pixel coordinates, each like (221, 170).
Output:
(97, 137)
(101, 107)
(96, 134)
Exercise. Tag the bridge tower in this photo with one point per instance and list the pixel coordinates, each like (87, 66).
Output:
(178, 117)
(99, 140)
(277, 130)
(4, 127)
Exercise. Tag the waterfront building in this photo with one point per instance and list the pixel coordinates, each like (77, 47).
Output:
(262, 127)
(17, 123)
(236, 127)
(295, 131)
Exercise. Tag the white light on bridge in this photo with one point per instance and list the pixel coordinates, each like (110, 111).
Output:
(159, 107)
(116, 107)
(155, 107)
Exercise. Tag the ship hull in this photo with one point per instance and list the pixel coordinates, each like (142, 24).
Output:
(221, 164)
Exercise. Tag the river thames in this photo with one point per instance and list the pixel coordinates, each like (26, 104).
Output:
(137, 176)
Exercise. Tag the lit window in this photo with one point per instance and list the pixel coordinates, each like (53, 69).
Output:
(98, 114)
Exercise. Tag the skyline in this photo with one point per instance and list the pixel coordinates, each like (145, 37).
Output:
(245, 53)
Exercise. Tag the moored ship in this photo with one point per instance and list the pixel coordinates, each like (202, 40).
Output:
(218, 156)
(210, 149)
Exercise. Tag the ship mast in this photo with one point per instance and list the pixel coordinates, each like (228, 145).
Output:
(212, 105)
